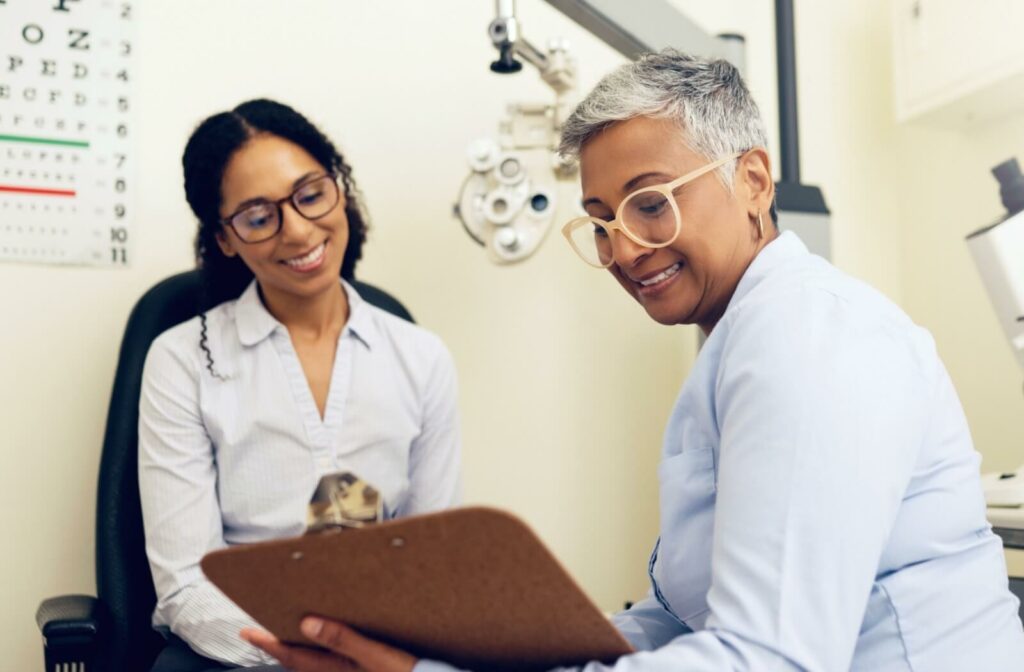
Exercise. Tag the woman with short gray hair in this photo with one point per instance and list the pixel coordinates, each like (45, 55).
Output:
(820, 501)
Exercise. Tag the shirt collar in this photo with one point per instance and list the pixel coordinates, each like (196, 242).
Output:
(255, 323)
(360, 319)
(775, 254)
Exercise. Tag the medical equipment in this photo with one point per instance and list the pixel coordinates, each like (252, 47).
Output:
(800, 207)
(998, 252)
(1004, 489)
(508, 202)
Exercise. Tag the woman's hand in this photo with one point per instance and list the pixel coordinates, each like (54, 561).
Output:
(347, 650)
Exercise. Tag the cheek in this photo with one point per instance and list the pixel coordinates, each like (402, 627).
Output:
(253, 255)
(697, 250)
(617, 274)
(690, 253)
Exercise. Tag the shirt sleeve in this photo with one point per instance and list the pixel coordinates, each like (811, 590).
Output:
(435, 480)
(821, 417)
(647, 625)
(177, 487)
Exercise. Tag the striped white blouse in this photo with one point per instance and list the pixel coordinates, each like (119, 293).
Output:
(233, 458)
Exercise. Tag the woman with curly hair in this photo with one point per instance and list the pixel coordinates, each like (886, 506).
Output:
(286, 375)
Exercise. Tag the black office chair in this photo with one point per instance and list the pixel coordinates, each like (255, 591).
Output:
(112, 632)
(1013, 538)
(1017, 588)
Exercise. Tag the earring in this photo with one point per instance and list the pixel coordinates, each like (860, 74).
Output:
(760, 225)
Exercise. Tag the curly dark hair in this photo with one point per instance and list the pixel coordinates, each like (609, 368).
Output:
(206, 156)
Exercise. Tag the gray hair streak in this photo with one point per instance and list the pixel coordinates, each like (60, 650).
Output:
(706, 98)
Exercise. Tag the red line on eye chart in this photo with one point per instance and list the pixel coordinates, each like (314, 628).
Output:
(36, 191)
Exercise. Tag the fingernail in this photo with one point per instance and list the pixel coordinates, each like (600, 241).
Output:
(311, 627)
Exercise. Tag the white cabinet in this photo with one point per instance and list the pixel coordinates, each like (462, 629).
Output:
(958, 63)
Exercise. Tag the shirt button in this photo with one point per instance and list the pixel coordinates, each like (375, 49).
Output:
(323, 464)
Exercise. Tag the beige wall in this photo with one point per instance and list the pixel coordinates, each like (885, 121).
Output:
(946, 192)
(903, 196)
(564, 383)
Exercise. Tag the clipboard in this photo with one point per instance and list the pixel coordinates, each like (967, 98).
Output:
(473, 587)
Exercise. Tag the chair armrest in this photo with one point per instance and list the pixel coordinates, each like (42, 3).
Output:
(69, 616)
(70, 625)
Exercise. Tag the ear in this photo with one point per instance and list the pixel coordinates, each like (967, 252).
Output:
(754, 180)
(224, 243)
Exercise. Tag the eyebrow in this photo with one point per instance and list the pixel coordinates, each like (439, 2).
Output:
(262, 199)
(628, 186)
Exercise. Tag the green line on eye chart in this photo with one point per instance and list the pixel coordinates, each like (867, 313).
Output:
(43, 141)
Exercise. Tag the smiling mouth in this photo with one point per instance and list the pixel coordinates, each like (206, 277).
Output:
(309, 260)
(661, 277)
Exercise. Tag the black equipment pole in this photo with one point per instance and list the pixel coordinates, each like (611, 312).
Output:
(785, 55)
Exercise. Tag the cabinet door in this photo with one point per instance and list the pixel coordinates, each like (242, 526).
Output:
(946, 50)
(993, 40)
(928, 54)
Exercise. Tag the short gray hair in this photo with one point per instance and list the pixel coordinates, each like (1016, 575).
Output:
(706, 98)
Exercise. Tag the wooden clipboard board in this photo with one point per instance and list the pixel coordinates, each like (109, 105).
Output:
(474, 587)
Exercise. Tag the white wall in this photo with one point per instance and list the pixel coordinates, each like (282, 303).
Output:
(565, 383)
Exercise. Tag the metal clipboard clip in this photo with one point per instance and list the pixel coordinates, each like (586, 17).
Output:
(343, 500)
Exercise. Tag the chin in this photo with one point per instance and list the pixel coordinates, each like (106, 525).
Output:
(671, 307)
(668, 310)
(309, 287)
(324, 282)
(666, 317)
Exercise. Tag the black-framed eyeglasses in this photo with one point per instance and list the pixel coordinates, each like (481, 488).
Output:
(261, 220)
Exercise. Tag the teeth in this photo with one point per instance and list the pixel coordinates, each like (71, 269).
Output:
(307, 259)
(667, 273)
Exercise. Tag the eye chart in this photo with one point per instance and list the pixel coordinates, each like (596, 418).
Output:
(65, 131)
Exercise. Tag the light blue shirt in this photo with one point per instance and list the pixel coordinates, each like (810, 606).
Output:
(234, 459)
(820, 499)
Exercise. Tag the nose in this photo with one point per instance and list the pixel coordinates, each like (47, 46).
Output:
(294, 227)
(625, 252)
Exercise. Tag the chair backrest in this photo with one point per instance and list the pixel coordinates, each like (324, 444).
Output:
(1017, 588)
(123, 580)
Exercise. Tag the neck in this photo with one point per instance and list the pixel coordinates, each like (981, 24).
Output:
(708, 324)
(311, 316)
